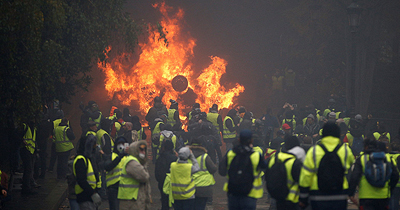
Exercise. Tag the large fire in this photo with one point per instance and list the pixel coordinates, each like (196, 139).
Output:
(159, 62)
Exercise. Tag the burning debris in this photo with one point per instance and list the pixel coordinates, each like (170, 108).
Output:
(165, 69)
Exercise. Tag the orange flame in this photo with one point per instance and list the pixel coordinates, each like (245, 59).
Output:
(159, 62)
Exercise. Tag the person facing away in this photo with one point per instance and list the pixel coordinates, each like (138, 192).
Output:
(181, 177)
(167, 156)
(295, 156)
(243, 198)
(323, 176)
(204, 179)
(371, 196)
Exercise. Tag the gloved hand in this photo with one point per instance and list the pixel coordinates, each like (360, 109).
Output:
(96, 199)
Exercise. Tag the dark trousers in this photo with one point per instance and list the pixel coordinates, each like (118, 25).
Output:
(53, 156)
(62, 164)
(241, 203)
(374, 204)
(329, 205)
(286, 205)
(113, 202)
(394, 199)
(164, 198)
(200, 203)
(27, 161)
(184, 204)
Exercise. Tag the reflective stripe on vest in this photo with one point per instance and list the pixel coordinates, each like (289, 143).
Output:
(227, 134)
(203, 178)
(257, 191)
(62, 141)
(367, 191)
(30, 139)
(182, 183)
(293, 121)
(90, 177)
(96, 120)
(140, 133)
(91, 132)
(170, 119)
(114, 175)
(128, 186)
(156, 130)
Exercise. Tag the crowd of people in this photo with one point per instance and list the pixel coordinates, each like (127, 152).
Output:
(304, 157)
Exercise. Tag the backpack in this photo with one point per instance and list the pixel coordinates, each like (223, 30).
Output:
(330, 171)
(276, 179)
(377, 169)
(241, 175)
(357, 146)
(155, 138)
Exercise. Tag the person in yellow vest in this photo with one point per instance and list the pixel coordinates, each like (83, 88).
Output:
(53, 154)
(215, 118)
(395, 157)
(95, 114)
(295, 155)
(173, 116)
(236, 198)
(27, 151)
(134, 185)
(229, 129)
(113, 166)
(195, 106)
(87, 175)
(182, 180)
(313, 184)
(241, 111)
(63, 137)
(203, 179)
(156, 127)
(165, 135)
(370, 196)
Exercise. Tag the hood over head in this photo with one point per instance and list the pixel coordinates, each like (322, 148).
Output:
(232, 113)
(134, 150)
(184, 153)
(119, 140)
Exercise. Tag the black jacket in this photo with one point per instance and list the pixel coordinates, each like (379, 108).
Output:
(163, 165)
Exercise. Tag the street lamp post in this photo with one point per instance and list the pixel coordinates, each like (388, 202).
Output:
(354, 14)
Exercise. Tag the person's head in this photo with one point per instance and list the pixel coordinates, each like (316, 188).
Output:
(286, 128)
(126, 112)
(330, 129)
(358, 118)
(232, 113)
(118, 113)
(241, 111)
(246, 137)
(157, 100)
(290, 142)
(382, 147)
(310, 119)
(64, 121)
(119, 145)
(174, 104)
(332, 116)
(214, 107)
(184, 153)
(247, 116)
(289, 115)
(92, 125)
(202, 116)
(105, 124)
(93, 106)
(138, 149)
(370, 143)
(196, 106)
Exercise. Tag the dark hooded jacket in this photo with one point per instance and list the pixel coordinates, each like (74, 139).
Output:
(230, 124)
(167, 156)
(86, 149)
(155, 111)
